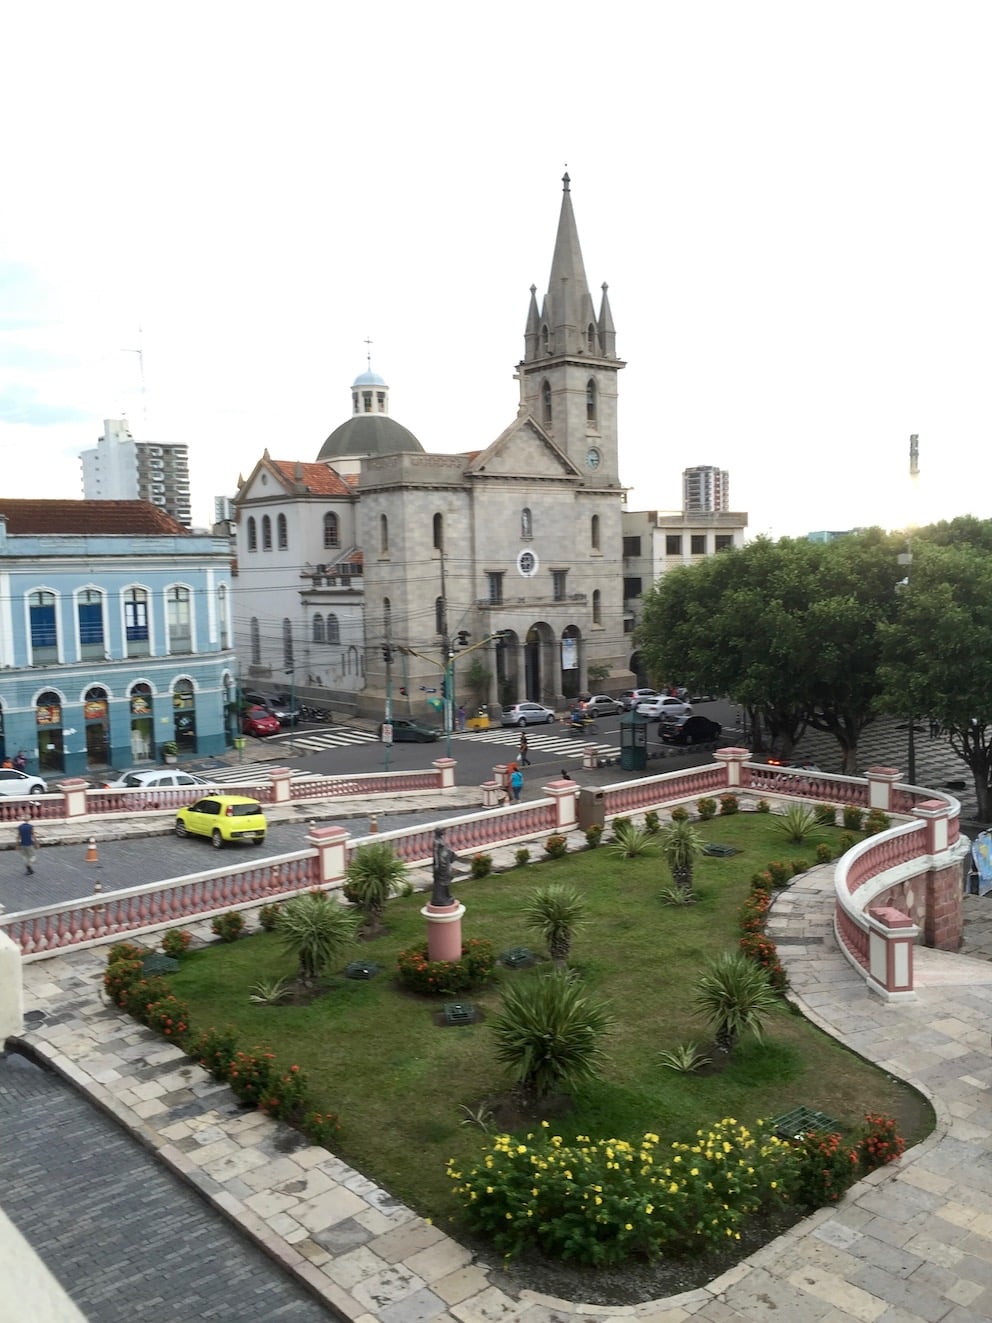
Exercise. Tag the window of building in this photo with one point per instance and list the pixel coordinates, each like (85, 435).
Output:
(591, 337)
(558, 584)
(333, 630)
(546, 402)
(546, 339)
(367, 401)
(223, 617)
(179, 620)
(673, 544)
(136, 622)
(318, 628)
(332, 536)
(380, 397)
(526, 523)
(723, 541)
(287, 644)
(44, 630)
(594, 532)
(89, 610)
(252, 534)
(494, 581)
(631, 587)
(591, 409)
(439, 532)
(597, 607)
(256, 641)
(698, 544)
(266, 533)
(383, 535)
(387, 616)
(438, 615)
(282, 532)
(632, 546)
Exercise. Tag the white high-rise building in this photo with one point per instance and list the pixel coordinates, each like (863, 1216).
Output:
(705, 489)
(122, 469)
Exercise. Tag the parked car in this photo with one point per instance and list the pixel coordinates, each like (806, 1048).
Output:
(152, 778)
(630, 698)
(601, 705)
(527, 714)
(663, 705)
(256, 721)
(224, 818)
(689, 729)
(13, 782)
(412, 732)
(279, 706)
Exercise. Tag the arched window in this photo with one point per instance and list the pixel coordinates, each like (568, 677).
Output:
(333, 630)
(266, 533)
(282, 532)
(44, 629)
(256, 641)
(545, 402)
(591, 337)
(439, 532)
(546, 339)
(223, 616)
(287, 644)
(526, 523)
(438, 615)
(179, 620)
(89, 609)
(252, 534)
(597, 607)
(136, 622)
(383, 535)
(592, 412)
(318, 628)
(594, 532)
(332, 537)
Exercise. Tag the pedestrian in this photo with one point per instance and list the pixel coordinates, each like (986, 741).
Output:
(516, 783)
(461, 718)
(20, 760)
(524, 760)
(27, 844)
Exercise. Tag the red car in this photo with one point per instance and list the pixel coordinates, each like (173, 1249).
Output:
(256, 721)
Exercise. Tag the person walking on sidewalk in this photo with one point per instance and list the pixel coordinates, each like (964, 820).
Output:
(516, 784)
(524, 760)
(27, 844)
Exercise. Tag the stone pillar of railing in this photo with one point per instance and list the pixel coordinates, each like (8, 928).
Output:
(445, 772)
(331, 844)
(501, 776)
(891, 935)
(589, 759)
(936, 814)
(943, 920)
(492, 794)
(565, 795)
(880, 783)
(732, 759)
(74, 797)
(11, 989)
(281, 777)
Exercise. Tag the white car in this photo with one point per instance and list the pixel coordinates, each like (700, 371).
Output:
(601, 705)
(527, 714)
(13, 782)
(154, 778)
(665, 705)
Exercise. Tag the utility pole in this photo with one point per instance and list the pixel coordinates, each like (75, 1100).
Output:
(446, 655)
(387, 730)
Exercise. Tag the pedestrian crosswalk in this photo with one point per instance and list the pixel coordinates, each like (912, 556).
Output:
(564, 745)
(313, 741)
(249, 774)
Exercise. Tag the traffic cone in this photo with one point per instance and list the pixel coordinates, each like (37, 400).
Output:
(92, 857)
(373, 824)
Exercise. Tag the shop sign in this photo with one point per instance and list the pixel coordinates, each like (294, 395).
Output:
(95, 710)
(48, 715)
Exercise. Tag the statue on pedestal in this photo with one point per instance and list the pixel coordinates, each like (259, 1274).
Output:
(444, 857)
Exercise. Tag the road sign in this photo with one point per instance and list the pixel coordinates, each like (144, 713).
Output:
(387, 732)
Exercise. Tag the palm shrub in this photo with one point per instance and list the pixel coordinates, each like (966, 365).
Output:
(681, 846)
(826, 814)
(316, 931)
(374, 873)
(629, 841)
(548, 1034)
(557, 912)
(797, 823)
(734, 994)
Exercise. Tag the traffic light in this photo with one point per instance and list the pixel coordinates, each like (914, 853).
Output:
(463, 638)
(387, 653)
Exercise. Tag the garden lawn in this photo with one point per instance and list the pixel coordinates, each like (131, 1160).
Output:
(403, 1086)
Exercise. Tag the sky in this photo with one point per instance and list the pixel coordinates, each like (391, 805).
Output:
(790, 203)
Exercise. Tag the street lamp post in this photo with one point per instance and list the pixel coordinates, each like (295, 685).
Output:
(292, 705)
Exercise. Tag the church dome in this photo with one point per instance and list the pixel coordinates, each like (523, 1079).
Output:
(368, 379)
(368, 434)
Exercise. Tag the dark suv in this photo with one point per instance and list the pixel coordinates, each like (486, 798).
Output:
(277, 705)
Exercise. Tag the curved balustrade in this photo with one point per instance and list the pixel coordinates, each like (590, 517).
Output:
(655, 791)
(879, 853)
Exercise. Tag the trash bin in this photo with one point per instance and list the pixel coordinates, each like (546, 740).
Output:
(592, 808)
(633, 742)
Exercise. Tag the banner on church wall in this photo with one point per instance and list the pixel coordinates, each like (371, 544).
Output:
(569, 654)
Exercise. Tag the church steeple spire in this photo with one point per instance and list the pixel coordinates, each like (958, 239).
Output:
(567, 315)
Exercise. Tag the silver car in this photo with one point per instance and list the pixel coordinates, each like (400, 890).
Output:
(665, 705)
(13, 782)
(527, 714)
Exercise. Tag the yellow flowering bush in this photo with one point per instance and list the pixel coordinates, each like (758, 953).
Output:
(601, 1201)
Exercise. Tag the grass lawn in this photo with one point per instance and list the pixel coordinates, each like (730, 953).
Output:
(374, 1054)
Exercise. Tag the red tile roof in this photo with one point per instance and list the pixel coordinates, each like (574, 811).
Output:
(120, 518)
(320, 479)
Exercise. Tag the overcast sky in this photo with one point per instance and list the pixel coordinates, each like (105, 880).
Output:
(789, 201)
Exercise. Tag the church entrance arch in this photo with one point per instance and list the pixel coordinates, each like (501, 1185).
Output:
(540, 668)
(507, 648)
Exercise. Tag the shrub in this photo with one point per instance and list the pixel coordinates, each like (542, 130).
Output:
(556, 846)
(548, 1033)
(823, 1168)
(680, 813)
(762, 806)
(557, 913)
(286, 1094)
(796, 823)
(522, 856)
(797, 866)
(729, 804)
(322, 1128)
(880, 1142)
(228, 927)
(734, 994)
(847, 841)
(251, 1073)
(446, 978)
(826, 814)
(374, 874)
(681, 846)
(652, 822)
(685, 1059)
(853, 817)
(877, 821)
(315, 932)
(620, 823)
(214, 1050)
(176, 942)
(268, 916)
(269, 992)
(706, 808)
(126, 951)
(482, 865)
(594, 835)
(119, 977)
(677, 896)
(779, 872)
(824, 853)
(629, 841)
(168, 1016)
(764, 953)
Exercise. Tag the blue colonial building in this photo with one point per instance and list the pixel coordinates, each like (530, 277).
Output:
(115, 636)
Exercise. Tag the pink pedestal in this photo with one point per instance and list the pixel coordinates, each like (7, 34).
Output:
(444, 930)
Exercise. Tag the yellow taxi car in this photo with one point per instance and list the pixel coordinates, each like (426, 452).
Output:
(224, 818)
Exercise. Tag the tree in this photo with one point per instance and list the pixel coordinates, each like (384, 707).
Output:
(937, 654)
(316, 931)
(681, 846)
(734, 994)
(548, 1033)
(557, 912)
(374, 873)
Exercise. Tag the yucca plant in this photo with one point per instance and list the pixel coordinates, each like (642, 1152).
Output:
(316, 931)
(734, 995)
(685, 1058)
(681, 846)
(557, 912)
(676, 896)
(548, 1033)
(629, 841)
(374, 874)
(269, 992)
(797, 823)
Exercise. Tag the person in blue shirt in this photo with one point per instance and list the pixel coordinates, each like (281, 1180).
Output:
(27, 844)
(516, 783)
